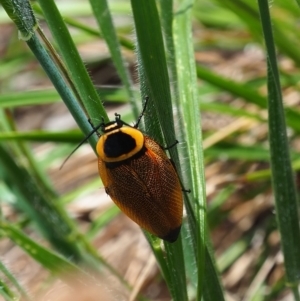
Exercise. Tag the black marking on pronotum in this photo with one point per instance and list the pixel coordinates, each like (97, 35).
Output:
(103, 125)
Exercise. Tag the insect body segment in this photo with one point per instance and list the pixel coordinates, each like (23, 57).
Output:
(140, 179)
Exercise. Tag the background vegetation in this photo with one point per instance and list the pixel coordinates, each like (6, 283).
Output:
(223, 65)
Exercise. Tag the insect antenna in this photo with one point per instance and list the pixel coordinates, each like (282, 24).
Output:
(142, 113)
(95, 129)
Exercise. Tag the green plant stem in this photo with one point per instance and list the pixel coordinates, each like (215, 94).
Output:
(77, 71)
(155, 83)
(286, 200)
(105, 22)
(61, 87)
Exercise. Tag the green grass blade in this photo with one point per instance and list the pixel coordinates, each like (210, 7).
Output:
(102, 220)
(228, 110)
(12, 67)
(60, 85)
(153, 60)
(167, 26)
(50, 218)
(155, 83)
(286, 201)
(236, 151)
(26, 155)
(16, 99)
(176, 270)
(167, 20)
(248, 13)
(232, 253)
(76, 69)
(45, 96)
(6, 292)
(212, 289)
(104, 19)
(74, 136)
(265, 174)
(231, 86)
(246, 92)
(125, 42)
(188, 95)
(48, 259)
(45, 60)
(5, 271)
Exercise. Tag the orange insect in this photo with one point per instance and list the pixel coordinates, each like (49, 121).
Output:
(140, 178)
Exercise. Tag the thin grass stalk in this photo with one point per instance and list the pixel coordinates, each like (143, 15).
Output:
(156, 82)
(286, 201)
(89, 98)
(103, 16)
(13, 280)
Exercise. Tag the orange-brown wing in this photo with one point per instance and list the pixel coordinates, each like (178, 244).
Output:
(147, 189)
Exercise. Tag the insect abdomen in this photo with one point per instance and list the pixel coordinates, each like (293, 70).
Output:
(146, 188)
